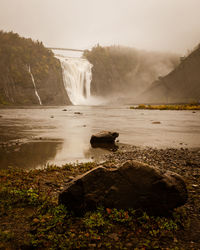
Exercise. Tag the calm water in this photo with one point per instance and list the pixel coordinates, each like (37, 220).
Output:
(51, 135)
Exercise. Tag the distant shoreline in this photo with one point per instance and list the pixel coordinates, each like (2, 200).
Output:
(168, 107)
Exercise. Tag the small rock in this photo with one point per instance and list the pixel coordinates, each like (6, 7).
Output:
(78, 113)
(52, 116)
(64, 110)
(156, 122)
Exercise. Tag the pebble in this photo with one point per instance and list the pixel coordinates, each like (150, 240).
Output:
(156, 122)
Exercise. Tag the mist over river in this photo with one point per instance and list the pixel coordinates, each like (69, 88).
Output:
(34, 137)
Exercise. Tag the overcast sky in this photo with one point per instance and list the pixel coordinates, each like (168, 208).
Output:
(163, 25)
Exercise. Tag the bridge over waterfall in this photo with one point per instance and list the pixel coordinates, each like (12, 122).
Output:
(77, 50)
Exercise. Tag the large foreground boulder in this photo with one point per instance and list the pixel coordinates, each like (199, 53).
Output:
(104, 137)
(133, 185)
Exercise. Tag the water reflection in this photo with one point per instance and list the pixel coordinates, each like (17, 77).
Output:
(29, 155)
(109, 146)
(76, 133)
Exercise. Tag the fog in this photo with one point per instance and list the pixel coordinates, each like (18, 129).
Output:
(171, 25)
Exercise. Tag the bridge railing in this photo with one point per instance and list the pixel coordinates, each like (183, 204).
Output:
(77, 50)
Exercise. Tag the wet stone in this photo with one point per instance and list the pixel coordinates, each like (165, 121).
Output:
(133, 185)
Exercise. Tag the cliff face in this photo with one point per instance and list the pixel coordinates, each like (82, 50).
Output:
(29, 70)
(180, 85)
(126, 71)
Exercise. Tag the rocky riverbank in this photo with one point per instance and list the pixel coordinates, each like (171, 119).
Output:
(31, 217)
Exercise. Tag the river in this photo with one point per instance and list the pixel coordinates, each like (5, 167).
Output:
(34, 137)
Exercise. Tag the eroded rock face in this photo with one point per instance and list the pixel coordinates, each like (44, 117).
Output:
(181, 85)
(104, 137)
(133, 185)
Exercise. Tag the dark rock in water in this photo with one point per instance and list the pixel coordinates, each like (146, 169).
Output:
(133, 185)
(78, 113)
(64, 110)
(104, 137)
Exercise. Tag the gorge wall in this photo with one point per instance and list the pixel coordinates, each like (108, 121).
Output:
(126, 72)
(182, 85)
(29, 73)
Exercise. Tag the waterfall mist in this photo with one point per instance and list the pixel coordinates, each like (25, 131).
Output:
(121, 74)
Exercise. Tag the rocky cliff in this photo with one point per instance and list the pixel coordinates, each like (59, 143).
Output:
(29, 72)
(123, 71)
(182, 85)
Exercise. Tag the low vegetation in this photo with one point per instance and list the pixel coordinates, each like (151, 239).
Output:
(30, 217)
(168, 107)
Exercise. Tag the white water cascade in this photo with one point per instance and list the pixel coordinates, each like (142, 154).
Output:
(34, 85)
(77, 76)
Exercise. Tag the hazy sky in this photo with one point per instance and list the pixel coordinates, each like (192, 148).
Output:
(169, 25)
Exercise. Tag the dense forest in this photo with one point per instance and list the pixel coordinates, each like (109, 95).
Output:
(21, 57)
(126, 71)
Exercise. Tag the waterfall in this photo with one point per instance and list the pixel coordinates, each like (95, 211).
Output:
(77, 76)
(33, 81)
